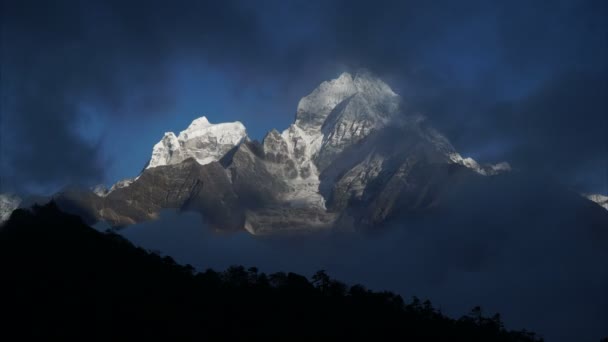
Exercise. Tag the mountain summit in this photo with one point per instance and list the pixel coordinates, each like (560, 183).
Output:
(202, 141)
(352, 156)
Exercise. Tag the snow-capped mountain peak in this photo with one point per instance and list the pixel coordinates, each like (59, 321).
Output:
(337, 114)
(341, 112)
(202, 140)
(100, 190)
(352, 145)
(314, 109)
(368, 83)
(201, 122)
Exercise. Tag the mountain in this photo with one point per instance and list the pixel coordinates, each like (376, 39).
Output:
(355, 157)
(202, 141)
(63, 280)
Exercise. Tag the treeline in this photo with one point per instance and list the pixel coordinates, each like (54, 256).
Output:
(63, 279)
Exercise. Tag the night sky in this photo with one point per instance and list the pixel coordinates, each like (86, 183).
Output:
(88, 87)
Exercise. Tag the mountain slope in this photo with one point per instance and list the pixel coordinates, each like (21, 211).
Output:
(187, 185)
(87, 285)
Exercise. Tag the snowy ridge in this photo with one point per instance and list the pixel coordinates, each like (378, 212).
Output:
(102, 191)
(314, 108)
(123, 184)
(601, 200)
(332, 117)
(486, 170)
(202, 140)
(343, 111)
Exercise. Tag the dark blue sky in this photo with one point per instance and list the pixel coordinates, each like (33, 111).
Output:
(87, 88)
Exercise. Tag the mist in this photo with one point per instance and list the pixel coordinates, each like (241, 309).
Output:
(503, 81)
(515, 245)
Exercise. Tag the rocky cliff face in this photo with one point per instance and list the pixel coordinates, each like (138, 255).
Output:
(352, 156)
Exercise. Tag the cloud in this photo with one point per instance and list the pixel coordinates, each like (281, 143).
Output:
(562, 129)
(473, 67)
(60, 57)
(517, 245)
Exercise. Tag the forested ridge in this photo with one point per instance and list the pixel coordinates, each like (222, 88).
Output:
(63, 279)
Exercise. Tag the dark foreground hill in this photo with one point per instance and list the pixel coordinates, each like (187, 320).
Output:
(63, 279)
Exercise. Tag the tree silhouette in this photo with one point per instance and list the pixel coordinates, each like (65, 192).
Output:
(321, 280)
(64, 280)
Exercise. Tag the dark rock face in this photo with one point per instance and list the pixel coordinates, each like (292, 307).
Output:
(275, 148)
(188, 186)
(254, 184)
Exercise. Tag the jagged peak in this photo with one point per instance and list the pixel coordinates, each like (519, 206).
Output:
(202, 140)
(198, 123)
(344, 78)
(322, 99)
(362, 80)
(367, 82)
(314, 108)
(201, 126)
(273, 133)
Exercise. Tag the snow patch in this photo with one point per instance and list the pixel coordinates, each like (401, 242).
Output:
(123, 184)
(100, 190)
(486, 170)
(601, 200)
(8, 203)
